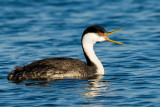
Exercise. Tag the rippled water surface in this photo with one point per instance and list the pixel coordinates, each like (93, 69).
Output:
(35, 29)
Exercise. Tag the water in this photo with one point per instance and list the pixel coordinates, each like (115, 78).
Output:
(34, 29)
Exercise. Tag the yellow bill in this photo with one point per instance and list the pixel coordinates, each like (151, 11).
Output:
(115, 42)
(107, 39)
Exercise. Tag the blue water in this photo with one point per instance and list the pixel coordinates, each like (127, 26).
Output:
(35, 29)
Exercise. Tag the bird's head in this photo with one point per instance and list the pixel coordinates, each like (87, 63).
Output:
(96, 33)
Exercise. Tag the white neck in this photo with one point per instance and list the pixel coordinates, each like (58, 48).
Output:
(87, 42)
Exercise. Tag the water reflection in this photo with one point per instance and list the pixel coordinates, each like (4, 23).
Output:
(33, 83)
(93, 86)
(95, 83)
(96, 86)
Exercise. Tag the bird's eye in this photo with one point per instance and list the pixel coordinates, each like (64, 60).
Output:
(100, 34)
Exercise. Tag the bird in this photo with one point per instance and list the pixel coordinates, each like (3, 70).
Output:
(67, 68)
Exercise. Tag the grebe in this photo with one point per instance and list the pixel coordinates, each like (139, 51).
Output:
(62, 68)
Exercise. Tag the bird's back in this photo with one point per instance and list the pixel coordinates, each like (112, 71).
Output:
(52, 68)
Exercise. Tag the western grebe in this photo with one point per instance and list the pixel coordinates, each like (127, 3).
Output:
(62, 68)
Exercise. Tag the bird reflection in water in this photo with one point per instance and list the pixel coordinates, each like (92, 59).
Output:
(96, 87)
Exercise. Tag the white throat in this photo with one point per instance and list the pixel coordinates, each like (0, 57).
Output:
(88, 41)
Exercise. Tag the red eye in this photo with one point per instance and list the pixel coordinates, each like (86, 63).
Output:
(101, 34)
